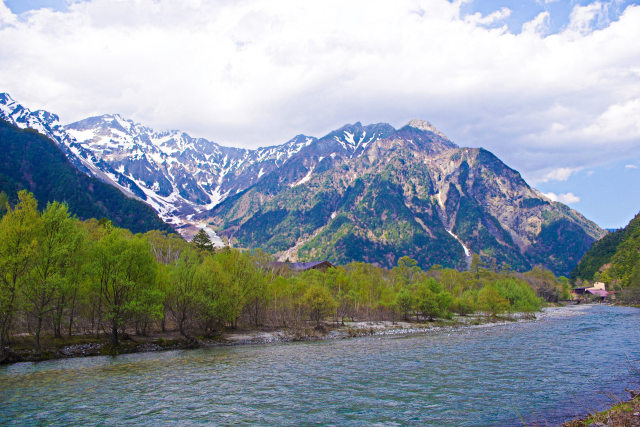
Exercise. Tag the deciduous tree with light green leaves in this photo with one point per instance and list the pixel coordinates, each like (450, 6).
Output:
(491, 301)
(123, 266)
(17, 257)
(183, 292)
(55, 237)
(319, 303)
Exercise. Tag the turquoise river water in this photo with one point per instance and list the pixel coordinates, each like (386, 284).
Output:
(571, 361)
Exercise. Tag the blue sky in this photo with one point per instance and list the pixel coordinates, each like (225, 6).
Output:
(559, 10)
(20, 6)
(552, 87)
(609, 194)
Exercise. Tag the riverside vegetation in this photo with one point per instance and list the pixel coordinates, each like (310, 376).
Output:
(615, 260)
(89, 280)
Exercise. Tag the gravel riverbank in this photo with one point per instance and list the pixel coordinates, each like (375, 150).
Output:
(57, 349)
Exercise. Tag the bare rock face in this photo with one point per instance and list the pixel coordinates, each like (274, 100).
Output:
(411, 192)
(426, 126)
(368, 193)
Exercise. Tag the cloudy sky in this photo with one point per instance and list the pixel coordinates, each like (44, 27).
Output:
(550, 86)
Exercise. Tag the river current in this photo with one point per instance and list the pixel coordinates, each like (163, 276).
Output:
(572, 361)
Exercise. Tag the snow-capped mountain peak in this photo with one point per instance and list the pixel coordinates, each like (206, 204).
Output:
(181, 176)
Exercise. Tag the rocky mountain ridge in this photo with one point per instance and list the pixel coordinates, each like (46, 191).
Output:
(363, 192)
(409, 192)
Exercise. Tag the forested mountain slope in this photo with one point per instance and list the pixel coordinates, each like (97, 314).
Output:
(33, 162)
(614, 259)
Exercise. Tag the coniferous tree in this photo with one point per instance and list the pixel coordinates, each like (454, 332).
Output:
(202, 241)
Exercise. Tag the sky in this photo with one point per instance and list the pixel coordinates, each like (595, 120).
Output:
(552, 87)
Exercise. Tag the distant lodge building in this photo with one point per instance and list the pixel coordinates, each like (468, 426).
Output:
(302, 266)
(596, 292)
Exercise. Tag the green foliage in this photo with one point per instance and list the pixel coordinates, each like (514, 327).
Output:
(490, 301)
(202, 241)
(124, 267)
(464, 304)
(601, 252)
(520, 296)
(624, 270)
(93, 277)
(182, 292)
(318, 303)
(146, 308)
(405, 302)
(55, 240)
(4, 203)
(17, 253)
(615, 260)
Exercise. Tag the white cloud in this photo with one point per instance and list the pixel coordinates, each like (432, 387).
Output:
(538, 25)
(566, 198)
(257, 72)
(556, 174)
(583, 17)
(492, 18)
(631, 166)
(6, 16)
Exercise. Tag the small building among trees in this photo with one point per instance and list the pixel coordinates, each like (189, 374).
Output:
(597, 292)
(303, 266)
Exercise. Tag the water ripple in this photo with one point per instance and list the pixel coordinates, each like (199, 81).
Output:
(545, 371)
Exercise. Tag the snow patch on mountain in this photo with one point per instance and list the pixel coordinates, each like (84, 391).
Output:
(304, 179)
(178, 175)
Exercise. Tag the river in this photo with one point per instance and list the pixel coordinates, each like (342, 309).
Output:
(569, 362)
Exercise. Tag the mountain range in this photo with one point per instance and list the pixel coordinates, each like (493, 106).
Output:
(31, 161)
(368, 193)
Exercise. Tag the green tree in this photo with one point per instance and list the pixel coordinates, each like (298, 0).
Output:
(183, 290)
(544, 282)
(404, 302)
(445, 299)
(4, 203)
(220, 299)
(319, 303)
(463, 305)
(75, 286)
(166, 247)
(426, 301)
(202, 241)
(477, 265)
(146, 307)
(520, 296)
(407, 270)
(490, 301)
(55, 240)
(123, 265)
(17, 249)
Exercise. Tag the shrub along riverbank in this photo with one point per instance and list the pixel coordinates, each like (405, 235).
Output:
(626, 413)
(61, 278)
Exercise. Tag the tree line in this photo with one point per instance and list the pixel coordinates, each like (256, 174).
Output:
(63, 276)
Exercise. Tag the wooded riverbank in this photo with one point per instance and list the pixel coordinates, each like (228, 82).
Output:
(85, 346)
(69, 279)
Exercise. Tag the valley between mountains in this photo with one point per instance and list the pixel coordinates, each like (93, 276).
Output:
(368, 193)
